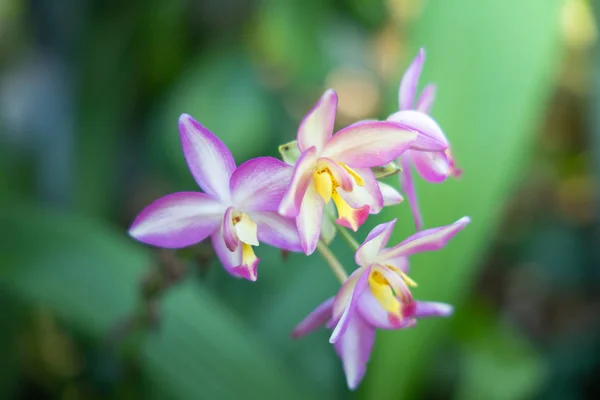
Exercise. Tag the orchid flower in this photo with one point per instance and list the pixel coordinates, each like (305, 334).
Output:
(338, 167)
(377, 295)
(238, 208)
(435, 166)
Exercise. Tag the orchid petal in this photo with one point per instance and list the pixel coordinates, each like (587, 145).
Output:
(317, 126)
(390, 195)
(433, 166)
(430, 136)
(209, 160)
(372, 312)
(377, 239)
(259, 184)
(229, 259)
(309, 220)
(229, 233)
(277, 231)
(341, 175)
(367, 144)
(354, 348)
(408, 187)
(410, 80)
(178, 220)
(303, 172)
(426, 99)
(359, 288)
(368, 194)
(427, 240)
(328, 228)
(343, 296)
(315, 319)
(426, 309)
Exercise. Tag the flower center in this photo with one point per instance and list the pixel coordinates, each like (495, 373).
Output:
(394, 297)
(246, 230)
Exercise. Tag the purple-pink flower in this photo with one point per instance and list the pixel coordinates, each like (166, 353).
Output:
(338, 167)
(433, 166)
(238, 208)
(377, 295)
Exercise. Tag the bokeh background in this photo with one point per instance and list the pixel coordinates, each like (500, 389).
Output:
(90, 93)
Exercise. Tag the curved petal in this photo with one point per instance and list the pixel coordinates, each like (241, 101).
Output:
(377, 239)
(368, 194)
(427, 240)
(341, 175)
(302, 177)
(426, 309)
(349, 311)
(410, 80)
(426, 99)
(430, 136)
(343, 296)
(367, 144)
(433, 166)
(259, 184)
(371, 311)
(391, 196)
(315, 319)
(209, 160)
(309, 220)
(277, 231)
(229, 233)
(399, 262)
(178, 220)
(354, 348)
(408, 187)
(317, 126)
(229, 259)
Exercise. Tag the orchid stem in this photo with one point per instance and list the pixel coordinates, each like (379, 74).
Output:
(336, 266)
(347, 237)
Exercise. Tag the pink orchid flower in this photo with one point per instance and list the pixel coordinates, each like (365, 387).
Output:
(377, 295)
(338, 167)
(435, 166)
(238, 208)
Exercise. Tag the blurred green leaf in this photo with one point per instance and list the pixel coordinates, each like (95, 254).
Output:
(493, 62)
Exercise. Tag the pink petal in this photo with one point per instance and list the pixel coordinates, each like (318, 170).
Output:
(427, 240)
(343, 296)
(408, 187)
(430, 136)
(426, 99)
(341, 176)
(208, 158)
(309, 220)
(259, 184)
(410, 80)
(376, 240)
(229, 233)
(433, 166)
(229, 259)
(391, 196)
(369, 194)
(277, 231)
(302, 177)
(359, 288)
(317, 126)
(426, 309)
(178, 220)
(371, 311)
(354, 348)
(367, 144)
(315, 319)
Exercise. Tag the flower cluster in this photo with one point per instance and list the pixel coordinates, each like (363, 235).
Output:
(324, 179)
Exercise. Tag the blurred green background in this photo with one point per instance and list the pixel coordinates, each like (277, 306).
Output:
(90, 93)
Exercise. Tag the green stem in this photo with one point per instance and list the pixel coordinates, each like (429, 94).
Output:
(347, 237)
(334, 264)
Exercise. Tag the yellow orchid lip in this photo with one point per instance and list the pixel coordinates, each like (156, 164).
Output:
(392, 298)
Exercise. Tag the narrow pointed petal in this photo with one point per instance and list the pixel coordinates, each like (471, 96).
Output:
(319, 316)
(433, 166)
(430, 136)
(376, 240)
(259, 184)
(354, 348)
(368, 194)
(367, 144)
(317, 126)
(303, 173)
(277, 231)
(178, 220)
(408, 187)
(209, 160)
(391, 196)
(410, 80)
(371, 311)
(229, 232)
(343, 296)
(349, 312)
(426, 99)
(309, 220)
(427, 240)
(432, 309)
